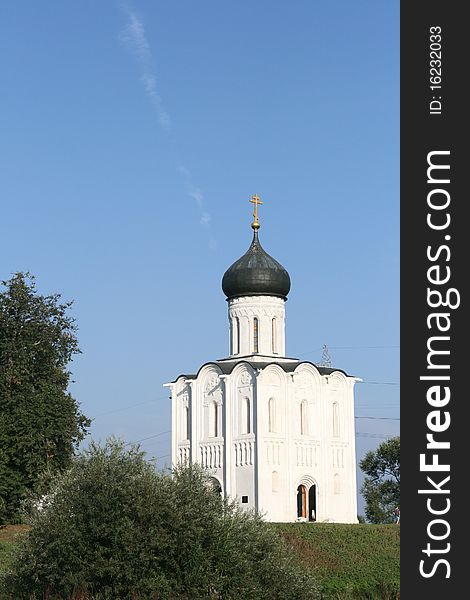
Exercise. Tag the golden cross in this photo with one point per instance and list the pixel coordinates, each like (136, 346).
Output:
(255, 200)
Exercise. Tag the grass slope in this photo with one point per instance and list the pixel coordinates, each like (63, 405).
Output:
(350, 561)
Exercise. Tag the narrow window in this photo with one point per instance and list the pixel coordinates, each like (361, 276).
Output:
(271, 416)
(186, 424)
(255, 335)
(247, 415)
(244, 416)
(237, 334)
(273, 335)
(303, 418)
(335, 419)
(213, 420)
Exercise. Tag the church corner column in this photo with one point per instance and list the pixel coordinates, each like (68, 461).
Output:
(352, 443)
(227, 433)
(191, 383)
(174, 449)
(324, 492)
(257, 432)
(290, 513)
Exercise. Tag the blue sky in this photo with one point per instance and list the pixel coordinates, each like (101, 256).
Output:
(133, 136)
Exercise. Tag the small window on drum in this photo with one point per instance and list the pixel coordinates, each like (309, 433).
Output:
(237, 336)
(255, 335)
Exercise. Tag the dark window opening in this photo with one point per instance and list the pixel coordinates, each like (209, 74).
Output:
(245, 499)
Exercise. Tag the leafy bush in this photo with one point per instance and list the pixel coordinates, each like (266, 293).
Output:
(112, 527)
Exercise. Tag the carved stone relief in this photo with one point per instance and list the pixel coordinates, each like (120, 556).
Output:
(185, 399)
(213, 390)
(245, 378)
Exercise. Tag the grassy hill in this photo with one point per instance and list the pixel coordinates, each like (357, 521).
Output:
(351, 561)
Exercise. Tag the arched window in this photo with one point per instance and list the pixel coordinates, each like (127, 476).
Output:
(335, 419)
(275, 482)
(213, 419)
(303, 418)
(273, 336)
(244, 416)
(271, 416)
(255, 335)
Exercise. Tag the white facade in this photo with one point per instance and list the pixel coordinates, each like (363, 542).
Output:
(275, 433)
(257, 326)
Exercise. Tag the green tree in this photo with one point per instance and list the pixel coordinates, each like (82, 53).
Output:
(40, 423)
(113, 527)
(381, 487)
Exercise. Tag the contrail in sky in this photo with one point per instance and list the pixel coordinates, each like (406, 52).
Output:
(134, 39)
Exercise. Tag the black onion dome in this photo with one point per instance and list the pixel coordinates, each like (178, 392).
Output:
(256, 274)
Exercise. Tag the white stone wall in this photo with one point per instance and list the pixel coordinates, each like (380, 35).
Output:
(270, 313)
(275, 431)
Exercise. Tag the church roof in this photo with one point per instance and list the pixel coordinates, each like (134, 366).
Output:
(256, 273)
(289, 366)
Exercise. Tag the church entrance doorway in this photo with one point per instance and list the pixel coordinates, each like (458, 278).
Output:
(307, 502)
(215, 484)
(301, 501)
(312, 503)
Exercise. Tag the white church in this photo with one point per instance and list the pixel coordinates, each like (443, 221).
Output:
(275, 433)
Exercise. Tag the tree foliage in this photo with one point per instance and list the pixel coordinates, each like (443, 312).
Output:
(113, 527)
(40, 422)
(381, 487)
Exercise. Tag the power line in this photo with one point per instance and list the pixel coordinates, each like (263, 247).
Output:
(380, 382)
(373, 406)
(381, 347)
(109, 412)
(149, 437)
(374, 435)
(129, 406)
(380, 418)
(362, 347)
